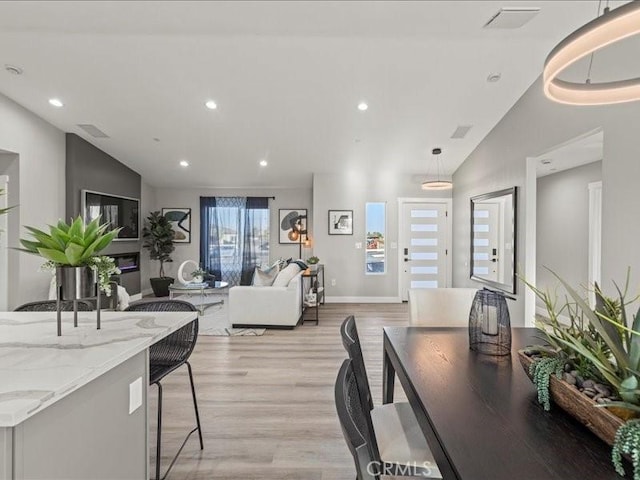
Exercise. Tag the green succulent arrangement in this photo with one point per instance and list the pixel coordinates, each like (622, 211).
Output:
(313, 260)
(74, 245)
(601, 345)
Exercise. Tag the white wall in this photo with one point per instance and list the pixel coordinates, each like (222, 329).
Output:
(343, 262)
(563, 206)
(177, 197)
(41, 151)
(536, 125)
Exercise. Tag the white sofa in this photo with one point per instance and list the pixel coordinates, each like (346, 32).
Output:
(440, 307)
(267, 307)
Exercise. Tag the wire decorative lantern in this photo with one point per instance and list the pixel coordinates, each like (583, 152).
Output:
(489, 323)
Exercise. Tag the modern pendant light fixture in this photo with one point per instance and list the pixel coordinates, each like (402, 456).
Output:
(438, 183)
(611, 27)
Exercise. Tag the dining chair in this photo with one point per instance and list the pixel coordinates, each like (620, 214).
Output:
(166, 356)
(51, 306)
(363, 441)
(395, 439)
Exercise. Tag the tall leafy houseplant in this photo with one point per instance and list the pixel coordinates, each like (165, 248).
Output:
(158, 239)
(74, 246)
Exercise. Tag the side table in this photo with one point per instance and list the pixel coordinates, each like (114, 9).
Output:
(316, 285)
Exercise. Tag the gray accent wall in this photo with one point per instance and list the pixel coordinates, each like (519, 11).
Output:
(562, 215)
(89, 168)
(535, 125)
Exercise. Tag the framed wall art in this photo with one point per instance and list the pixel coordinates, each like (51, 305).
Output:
(180, 219)
(292, 224)
(340, 222)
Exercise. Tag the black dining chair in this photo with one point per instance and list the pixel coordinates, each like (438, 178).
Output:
(393, 435)
(166, 356)
(51, 306)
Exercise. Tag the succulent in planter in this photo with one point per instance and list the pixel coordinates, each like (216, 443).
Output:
(313, 260)
(74, 245)
(602, 348)
(158, 237)
(198, 275)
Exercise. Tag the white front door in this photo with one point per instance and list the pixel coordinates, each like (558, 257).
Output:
(424, 246)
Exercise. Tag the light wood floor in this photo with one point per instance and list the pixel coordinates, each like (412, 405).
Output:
(266, 403)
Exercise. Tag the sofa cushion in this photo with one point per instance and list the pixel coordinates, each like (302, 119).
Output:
(286, 275)
(264, 278)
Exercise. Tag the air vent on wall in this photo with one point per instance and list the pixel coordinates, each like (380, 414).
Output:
(93, 130)
(461, 131)
(512, 17)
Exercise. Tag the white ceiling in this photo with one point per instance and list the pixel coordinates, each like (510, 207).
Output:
(287, 77)
(573, 154)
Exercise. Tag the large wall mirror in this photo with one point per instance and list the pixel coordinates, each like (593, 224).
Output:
(493, 239)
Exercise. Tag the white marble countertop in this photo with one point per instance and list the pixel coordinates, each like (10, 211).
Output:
(38, 368)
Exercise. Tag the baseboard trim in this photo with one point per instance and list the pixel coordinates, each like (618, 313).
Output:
(363, 300)
(271, 327)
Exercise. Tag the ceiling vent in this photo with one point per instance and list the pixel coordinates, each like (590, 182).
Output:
(461, 131)
(512, 17)
(92, 130)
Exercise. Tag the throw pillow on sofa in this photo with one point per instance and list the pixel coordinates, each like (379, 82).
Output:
(286, 275)
(265, 277)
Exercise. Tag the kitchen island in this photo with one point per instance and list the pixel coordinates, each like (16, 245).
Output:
(75, 406)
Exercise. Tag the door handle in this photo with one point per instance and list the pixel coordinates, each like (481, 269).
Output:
(407, 260)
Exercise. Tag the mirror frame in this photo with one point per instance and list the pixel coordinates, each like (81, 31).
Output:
(513, 191)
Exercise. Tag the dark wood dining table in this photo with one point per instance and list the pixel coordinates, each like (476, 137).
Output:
(480, 413)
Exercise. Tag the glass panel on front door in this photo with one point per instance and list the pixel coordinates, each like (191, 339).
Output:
(424, 259)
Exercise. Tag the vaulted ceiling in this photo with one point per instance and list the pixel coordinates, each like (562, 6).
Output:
(286, 76)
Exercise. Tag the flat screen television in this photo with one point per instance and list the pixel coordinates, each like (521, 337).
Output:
(117, 211)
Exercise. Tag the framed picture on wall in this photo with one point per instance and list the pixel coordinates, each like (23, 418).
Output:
(180, 220)
(292, 224)
(340, 222)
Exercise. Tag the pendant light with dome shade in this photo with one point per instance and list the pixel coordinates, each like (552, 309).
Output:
(611, 27)
(438, 183)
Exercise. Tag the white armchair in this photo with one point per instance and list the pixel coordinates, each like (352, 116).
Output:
(278, 307)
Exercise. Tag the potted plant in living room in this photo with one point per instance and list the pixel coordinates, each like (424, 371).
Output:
(158, 238)
(313, 263)
(70, 250)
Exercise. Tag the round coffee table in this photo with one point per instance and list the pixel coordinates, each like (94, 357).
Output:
(201, 290)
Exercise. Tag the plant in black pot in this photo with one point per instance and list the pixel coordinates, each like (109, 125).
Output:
(158, 238)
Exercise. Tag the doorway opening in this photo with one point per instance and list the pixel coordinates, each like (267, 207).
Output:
(563, 220)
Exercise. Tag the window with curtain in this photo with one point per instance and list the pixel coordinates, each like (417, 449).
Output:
(234, 237)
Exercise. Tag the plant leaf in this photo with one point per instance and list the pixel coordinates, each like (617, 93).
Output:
(74, 254)
(55, 256)
(615, 346)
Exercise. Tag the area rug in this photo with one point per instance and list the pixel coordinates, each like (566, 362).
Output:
(215, 321)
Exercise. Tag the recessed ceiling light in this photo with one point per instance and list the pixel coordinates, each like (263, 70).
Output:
(263, 163)
(211, 105)
(362, 106)
(494, 77)
(13, 69)
(56, 102)
(184, 163)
